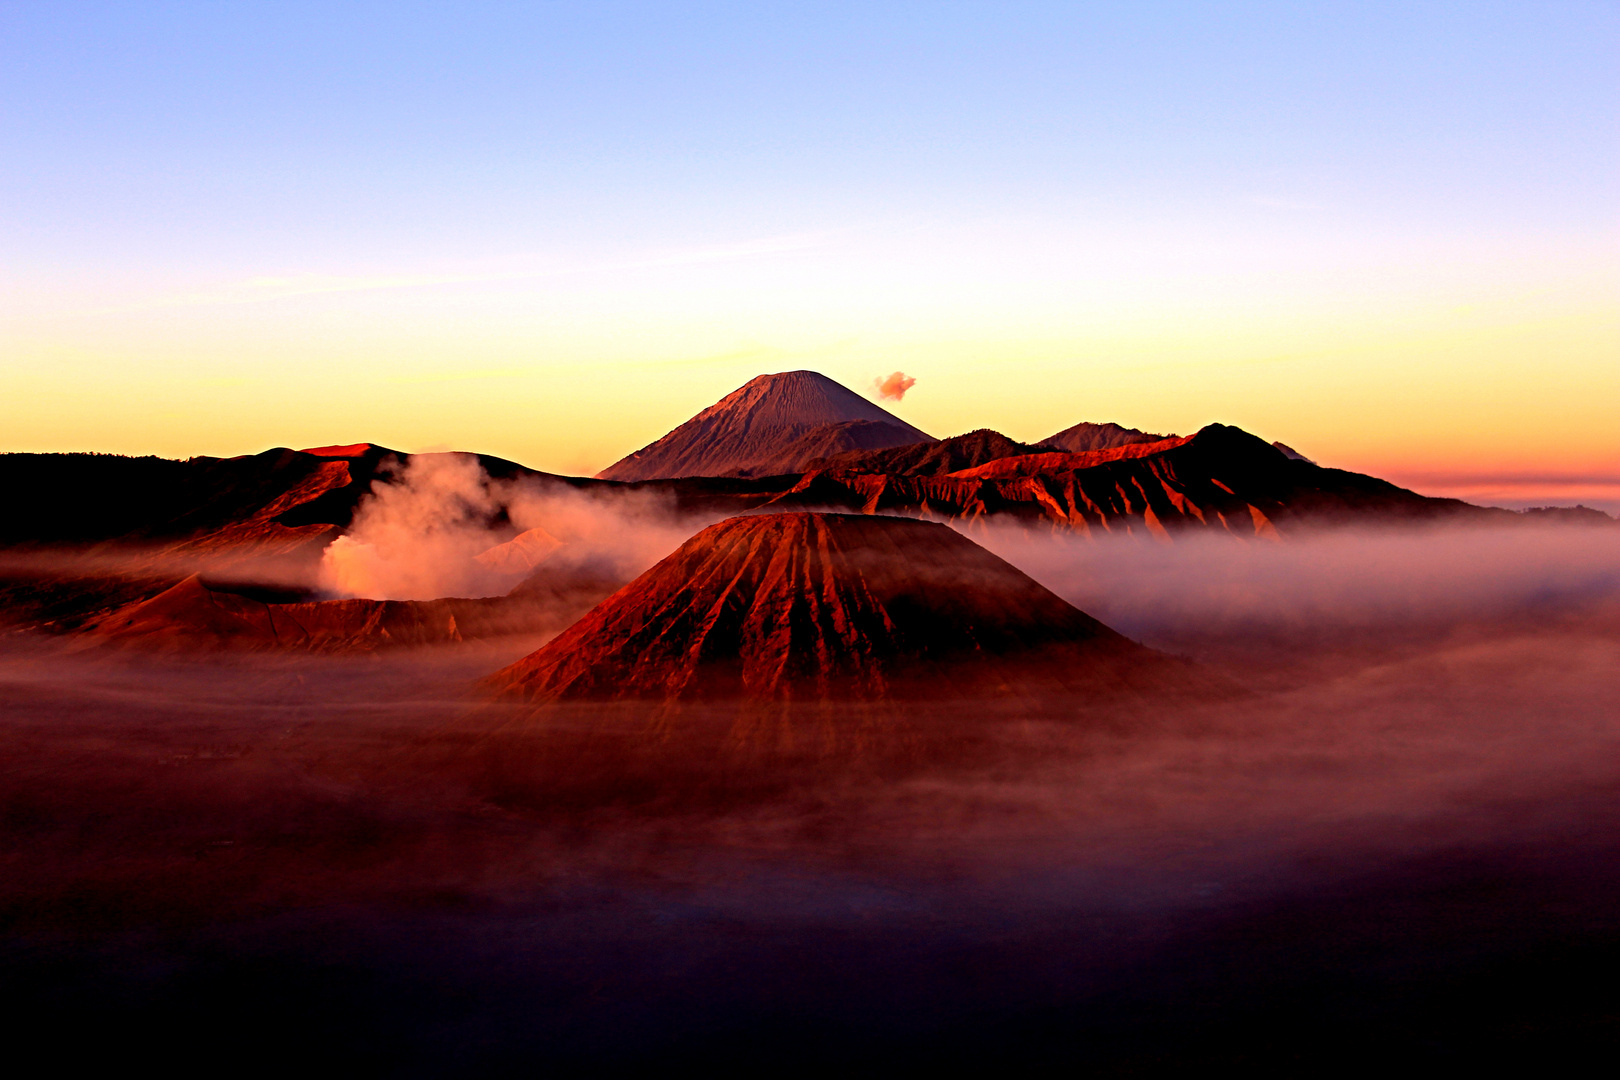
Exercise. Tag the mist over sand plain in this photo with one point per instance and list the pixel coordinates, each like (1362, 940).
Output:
(1401, 840)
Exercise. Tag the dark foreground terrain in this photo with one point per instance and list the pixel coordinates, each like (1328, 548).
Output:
(1402, 847)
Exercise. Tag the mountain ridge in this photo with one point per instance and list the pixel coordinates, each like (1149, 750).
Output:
(1220, 479)
(928, 459)
(1085, 436)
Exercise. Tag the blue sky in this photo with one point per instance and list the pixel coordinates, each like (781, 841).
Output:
(608, 201)
(189, 130)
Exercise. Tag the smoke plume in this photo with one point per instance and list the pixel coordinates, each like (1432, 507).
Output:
(440, 526)
(893, 387)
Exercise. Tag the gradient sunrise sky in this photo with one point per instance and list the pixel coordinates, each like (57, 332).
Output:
(1388, 235)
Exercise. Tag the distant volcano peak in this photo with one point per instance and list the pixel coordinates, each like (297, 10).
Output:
(747, 432)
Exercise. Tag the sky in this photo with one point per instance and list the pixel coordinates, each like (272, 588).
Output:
(1387, 235)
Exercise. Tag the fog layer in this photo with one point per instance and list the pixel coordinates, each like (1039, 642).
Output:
(1323, 593)
(1401, 844)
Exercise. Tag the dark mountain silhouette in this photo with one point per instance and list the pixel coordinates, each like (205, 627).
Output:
(931, 458)
(807, 606)
(91, 498)
(280, 498)
(1083, 437)
(747, 432)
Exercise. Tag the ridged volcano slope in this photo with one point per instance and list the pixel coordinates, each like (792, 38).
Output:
(810, 605)
(748, 432)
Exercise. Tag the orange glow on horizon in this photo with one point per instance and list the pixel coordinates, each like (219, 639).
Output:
(1407, 380)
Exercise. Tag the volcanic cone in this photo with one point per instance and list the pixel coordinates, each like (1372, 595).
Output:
(808, 606)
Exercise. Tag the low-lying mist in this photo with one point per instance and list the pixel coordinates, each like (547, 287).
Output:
(1325, 591)
(429, 532)
(1402, 843)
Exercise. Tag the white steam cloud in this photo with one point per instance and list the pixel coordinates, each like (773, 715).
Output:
(441, 526)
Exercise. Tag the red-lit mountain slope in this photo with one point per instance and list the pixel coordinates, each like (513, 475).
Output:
(1221, 479)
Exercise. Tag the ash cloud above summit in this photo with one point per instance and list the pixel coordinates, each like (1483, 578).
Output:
(893, 387)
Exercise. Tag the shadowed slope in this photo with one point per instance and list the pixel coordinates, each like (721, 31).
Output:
(91, 498)
(279, 500)
(747, 430)
(841, 439)
(811, 606)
